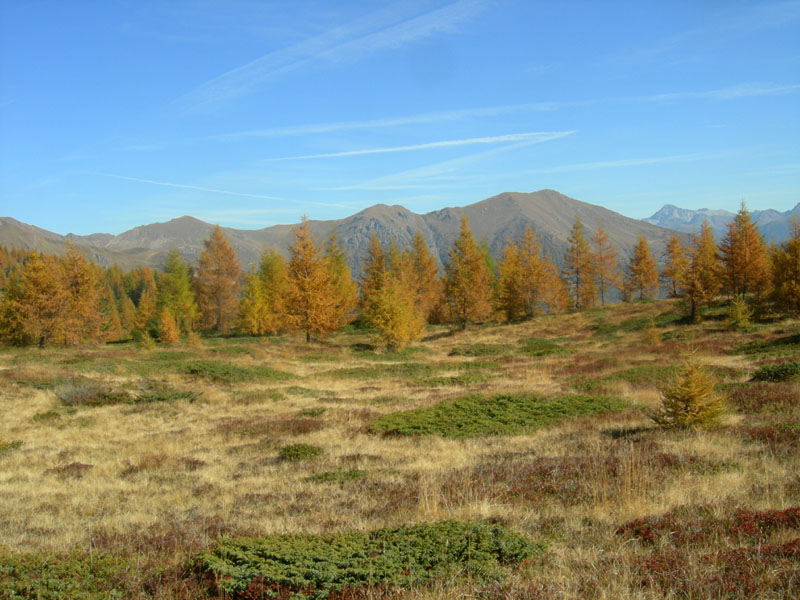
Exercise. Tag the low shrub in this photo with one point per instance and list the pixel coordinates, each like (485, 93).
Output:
(54, 577)
(384, 371)
(297, 452)
(541, 347)
(477, 415)
(90, 394)
(339, 476)
(225, 372)
(786, 371)
(307, 566)
(482, 350)
(6, 447)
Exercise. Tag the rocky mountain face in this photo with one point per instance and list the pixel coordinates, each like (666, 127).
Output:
(773, 225)
(497, 219)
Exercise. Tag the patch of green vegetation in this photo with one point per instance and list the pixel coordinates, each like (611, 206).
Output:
(310, 566)
(477, 415)
(237, 350)
(784, 346)
(297, 390)
(482, 350)
(541, 347)
(339, 476)
(35, 381)
(385, 400)
(225, 372)
(313, 412)
(468, 378)
(610, 330)
(787, 371)
(6, 447)
(296, 452)
(387, 371)
(53, 414)
(93, 393)
(54, 577)
(640, 375)
(361, 351)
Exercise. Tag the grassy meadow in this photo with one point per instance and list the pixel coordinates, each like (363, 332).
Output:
(133, 473)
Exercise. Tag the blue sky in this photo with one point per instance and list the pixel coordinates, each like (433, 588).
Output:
(117, 113)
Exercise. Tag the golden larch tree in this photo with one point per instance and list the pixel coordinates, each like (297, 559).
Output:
(428, 284)
(785, 273)
(167, 328)
(82, 315)
(110, 323)
(35, 301)
(145, 320)
(606, 269)
(255, 316)
(579, 268)
(346, 295)
(704, 276)
(676, 264)
(468, 281)
(175, 291)
(744, 257)
(217, 281)
(373, 271)
(510, 283)
(311, 303)
(641, 273)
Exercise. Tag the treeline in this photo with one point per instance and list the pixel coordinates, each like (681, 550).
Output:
(67, 300)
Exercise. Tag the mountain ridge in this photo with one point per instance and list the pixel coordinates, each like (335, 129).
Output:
(496, 219)
(773, 225)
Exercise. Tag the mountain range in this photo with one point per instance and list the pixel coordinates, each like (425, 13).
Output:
(497, 219)
(773, 225)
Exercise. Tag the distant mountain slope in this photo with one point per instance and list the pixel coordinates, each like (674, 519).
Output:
(505, 216)
(772, 224)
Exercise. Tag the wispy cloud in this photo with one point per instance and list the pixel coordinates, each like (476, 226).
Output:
(189, 187)
(438, 175)
(436, 117)
(627, 162)
(743, 90)
(388, 28)
(537, 137)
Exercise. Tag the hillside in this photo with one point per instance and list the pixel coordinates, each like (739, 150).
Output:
(121, 465)
(505, 216)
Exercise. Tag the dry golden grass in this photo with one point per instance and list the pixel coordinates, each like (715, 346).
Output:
(165, 479)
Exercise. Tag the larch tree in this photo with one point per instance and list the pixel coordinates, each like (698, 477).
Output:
(311, 303)
(346, 291)
(145, 320)
(373, 271)
(744, 257)
(428, 284)
(606, 269)
(676, 264)
(641, 273)
(255, 315)
(509, 297)
(468, 281)
(175, 291)
(785, 273)
(704, 276)
(579, 268)
(110, 323)
(35, 301)
(217, 282)
(127, 314)
(393, 313)
(167, 328)
(82, 314)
